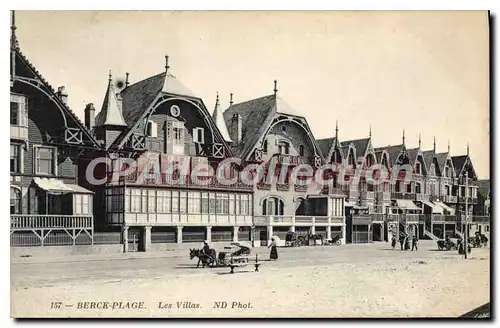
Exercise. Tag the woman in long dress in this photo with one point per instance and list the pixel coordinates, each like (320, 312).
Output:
(274, 250)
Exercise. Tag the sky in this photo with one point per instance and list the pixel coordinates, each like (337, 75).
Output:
(424, 72)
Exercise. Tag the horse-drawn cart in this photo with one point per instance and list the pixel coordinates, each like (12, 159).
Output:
(233, 256)
(446, 245)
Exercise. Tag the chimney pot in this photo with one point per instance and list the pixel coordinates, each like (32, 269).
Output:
(89, 116)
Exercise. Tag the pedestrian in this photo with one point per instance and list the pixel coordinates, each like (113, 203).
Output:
(402, 241)
(393, 242)
(414, 245)
(274, 250)
(407, 243)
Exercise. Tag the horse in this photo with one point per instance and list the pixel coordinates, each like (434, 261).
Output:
(205, 259)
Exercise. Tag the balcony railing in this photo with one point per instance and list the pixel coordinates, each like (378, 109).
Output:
(449, 199)
(35, 221)
(296, 220)
(383, 195)
(470, 200)
(408, 218)
(402, 195)
(185, 181)
(19, 132)
(367, 194)
(335, 191)
(421, 197)
(445, 218)
(288, 159)
(480, 219)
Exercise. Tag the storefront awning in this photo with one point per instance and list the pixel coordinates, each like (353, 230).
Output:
(446, 207)
(56, 186)
(406, 204)
(436, 209)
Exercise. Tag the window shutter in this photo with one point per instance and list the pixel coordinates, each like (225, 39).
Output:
(195, 135)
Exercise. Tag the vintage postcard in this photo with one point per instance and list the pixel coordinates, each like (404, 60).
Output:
(249, 164)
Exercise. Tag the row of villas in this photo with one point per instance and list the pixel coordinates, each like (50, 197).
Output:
(159, 119)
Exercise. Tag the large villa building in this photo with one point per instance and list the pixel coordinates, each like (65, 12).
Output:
(164, 199)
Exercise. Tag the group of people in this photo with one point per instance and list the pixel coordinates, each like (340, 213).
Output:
(404, 241)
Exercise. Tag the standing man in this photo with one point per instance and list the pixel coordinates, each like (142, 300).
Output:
(414, 245)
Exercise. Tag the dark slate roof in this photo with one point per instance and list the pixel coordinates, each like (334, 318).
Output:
(325, 145)
(360, 144)
(256, 116)
(484, 187)
(412, 154)
(55, 98)
(137, 97)
(459, 162)
(428, 156)
(441, 159)
(393, 152)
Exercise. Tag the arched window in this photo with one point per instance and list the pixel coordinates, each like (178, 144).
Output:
(273, 206)
(351, 160)
(15, 201)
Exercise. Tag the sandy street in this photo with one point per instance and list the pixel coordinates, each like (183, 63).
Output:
(347, 281)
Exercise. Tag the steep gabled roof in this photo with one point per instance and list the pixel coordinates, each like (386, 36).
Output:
(428, 156)
(361, 145)
(393, 152)
(19, 57)
(441, 159)
(325, 145)
(458, 163)
(484, 187)
(111, 112)
(413, 154)
(256, 114)
(219, 121)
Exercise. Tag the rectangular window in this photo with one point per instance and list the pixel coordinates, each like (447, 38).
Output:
(15, 158)
(175, 202)
(18, 110)
(264, 147)
(194, 202)
(211, 203)
(177, 136)
(301, 150)
(182, 202)
(151, 201)
(199, 135)
(144, 201)
(135, 201)
(244, 205)
(45, 160)
(163, 200)
(14, 113)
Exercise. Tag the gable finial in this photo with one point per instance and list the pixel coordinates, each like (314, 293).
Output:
(110, 77)
(403, 136)
(434, 144)
(126, 79)
(419, 141)
(467, 149)
(14, 44)
(217, 99)
(337, 130)
(370, 133)
(275, 87)
(231, 99)
(166, 64)
(448, 145)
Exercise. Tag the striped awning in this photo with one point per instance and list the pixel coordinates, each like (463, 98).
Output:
(56, 186)
(406, 204)
(446, 207)
(436, 209)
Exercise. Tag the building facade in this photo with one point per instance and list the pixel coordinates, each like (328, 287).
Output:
(47, 141)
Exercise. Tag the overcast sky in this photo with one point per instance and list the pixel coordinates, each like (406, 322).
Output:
(425, 72)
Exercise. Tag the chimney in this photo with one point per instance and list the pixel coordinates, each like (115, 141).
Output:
(62, 94)
(236, 128)
(89, 116)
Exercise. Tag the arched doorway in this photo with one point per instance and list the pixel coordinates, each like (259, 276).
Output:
(15, 201)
